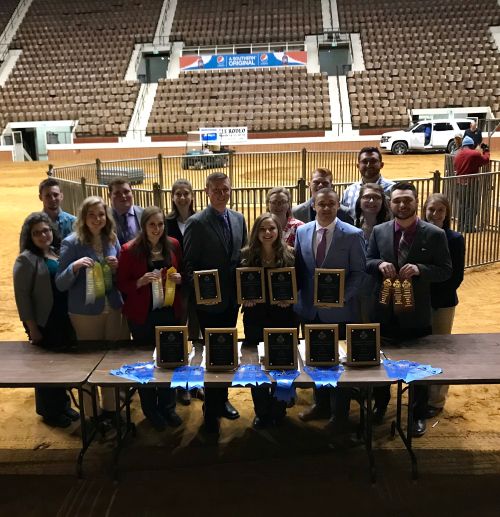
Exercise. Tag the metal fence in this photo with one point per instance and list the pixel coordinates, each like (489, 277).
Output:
(475, 205)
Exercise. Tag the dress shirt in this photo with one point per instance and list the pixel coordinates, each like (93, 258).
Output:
(351, 194)
(329, 236)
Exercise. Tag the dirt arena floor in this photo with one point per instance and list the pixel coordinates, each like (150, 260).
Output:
(465, 439)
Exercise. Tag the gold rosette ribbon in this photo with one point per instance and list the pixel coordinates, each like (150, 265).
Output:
(99, 281)
(386, 292)
(169, 288)
(407, 298)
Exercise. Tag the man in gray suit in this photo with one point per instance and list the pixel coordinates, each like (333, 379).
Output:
(320, 178)
(127, 215)
(409, 249)
(212, 240)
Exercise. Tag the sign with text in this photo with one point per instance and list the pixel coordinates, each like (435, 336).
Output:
(224, 135)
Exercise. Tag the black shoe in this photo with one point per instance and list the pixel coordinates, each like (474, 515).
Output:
(199, 393)
(184, 397)
(378, 416)
(432, 412)
(173, 419)
(260, 423)
(229, 411)
(72, 414)
(313, 413)
(419, 428)
(156, 420)
(61, 420)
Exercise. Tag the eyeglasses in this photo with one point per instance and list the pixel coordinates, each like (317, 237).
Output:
(39, 233)
(374, 197)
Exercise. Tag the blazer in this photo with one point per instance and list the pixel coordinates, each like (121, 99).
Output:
(347, 251)
(429, 252)
(32, 288)
(204, 248)
(174, 231)
(119, 232)
(72, 249)
(131, 267)
(444, 294)
(302, 212)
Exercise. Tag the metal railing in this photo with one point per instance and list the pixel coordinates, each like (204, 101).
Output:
(474, 199)
(4, 44)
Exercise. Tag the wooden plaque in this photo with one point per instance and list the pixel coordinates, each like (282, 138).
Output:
(280, 349)
(282, 285)
(207, 287)
(171, 346)
(322, 345)
(329, 286)
(363, 344)
(250, 284)
(221, 349)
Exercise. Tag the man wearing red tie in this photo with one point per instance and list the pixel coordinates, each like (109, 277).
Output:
(329, 243)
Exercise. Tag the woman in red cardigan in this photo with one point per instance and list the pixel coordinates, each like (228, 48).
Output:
(142, 272)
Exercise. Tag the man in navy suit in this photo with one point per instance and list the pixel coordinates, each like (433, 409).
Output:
(328, 242)
(127, 215)
(213, 240)
(407, 248)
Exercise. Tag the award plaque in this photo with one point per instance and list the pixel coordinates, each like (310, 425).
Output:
(322, 345)
(282, 285)
(329, 287)
(221, 348)
(250, 284)
(363, 344)
(207, 287)
(171, 346)
(280, 349)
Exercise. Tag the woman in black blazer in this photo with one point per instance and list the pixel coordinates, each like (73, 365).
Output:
(444, 294)
(182, 210)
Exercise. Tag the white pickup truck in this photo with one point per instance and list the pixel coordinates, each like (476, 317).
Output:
(436, 134)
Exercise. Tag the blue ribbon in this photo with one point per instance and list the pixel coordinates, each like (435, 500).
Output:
(250, 375)
(138, 372)
(284, 383)
(196, 377)
(180, 377)
(325, 377)
(408, 370)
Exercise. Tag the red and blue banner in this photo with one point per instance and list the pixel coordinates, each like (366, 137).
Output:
(262, 59)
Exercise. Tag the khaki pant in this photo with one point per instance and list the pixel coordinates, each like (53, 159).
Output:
(110, 325)
(442, 323)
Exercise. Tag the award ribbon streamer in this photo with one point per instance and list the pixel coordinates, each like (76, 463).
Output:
(89, 286)
(157, 292)
(250, 375)
(169, 288)
(138, 372)
(99, 281)
(285, 390)
(196, 377)
(108, 276)
(325, 377)
(409, 371)
(180, 377)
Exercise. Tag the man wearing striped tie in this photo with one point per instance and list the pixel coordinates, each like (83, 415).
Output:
(329, 243)
(407, 249)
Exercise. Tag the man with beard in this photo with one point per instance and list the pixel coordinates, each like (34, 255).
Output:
(409, 249)
(369, 165)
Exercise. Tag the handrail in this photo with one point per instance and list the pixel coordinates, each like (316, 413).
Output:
(13, 18)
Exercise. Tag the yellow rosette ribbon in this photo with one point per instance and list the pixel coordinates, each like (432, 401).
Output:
(169, 288)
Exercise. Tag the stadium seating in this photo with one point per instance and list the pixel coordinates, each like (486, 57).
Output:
(211, 22)
(421, 54)
(74, 58)
(262, 99)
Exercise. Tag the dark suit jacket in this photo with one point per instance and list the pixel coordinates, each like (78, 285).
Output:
(119, 232)
(429, 252)
(131, 267)
(444, 294)
(204, 248)
(174, 231)
(302, 212)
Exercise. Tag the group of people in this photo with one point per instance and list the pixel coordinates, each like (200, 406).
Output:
(106, 279)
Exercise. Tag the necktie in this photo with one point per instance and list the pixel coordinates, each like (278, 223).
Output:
(403, 250)
(125, 228)
(321, 251)
(226, 230)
